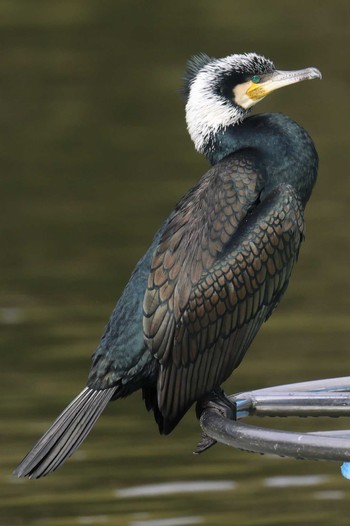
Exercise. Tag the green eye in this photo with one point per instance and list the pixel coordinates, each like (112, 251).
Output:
(256, 79)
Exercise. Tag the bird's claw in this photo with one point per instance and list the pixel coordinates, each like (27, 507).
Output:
(217, 402)
(205, 443)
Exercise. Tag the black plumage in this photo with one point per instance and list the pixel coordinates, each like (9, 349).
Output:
(217, 267)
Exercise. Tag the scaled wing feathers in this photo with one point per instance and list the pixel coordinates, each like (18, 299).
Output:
(221, 267)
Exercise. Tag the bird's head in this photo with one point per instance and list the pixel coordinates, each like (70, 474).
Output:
(221, 92)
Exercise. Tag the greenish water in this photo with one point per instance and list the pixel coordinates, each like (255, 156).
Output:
(93, 155)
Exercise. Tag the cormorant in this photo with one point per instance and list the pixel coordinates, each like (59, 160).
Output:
(217, 267)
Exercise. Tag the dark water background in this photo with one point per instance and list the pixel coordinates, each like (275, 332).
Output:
(93, 155)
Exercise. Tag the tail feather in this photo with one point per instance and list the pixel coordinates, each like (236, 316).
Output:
(77, 433)
(66, 433)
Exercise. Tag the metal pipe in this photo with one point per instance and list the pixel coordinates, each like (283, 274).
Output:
(341, 383)
(309, 446)
(327, 397)
(296, 404)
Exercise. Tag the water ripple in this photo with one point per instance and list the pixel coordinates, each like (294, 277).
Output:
(298, 480)
(329, 495)
(176, 521)
(151, 490)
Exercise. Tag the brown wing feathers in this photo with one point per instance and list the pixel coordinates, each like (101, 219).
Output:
(198, 230)
(214, 280)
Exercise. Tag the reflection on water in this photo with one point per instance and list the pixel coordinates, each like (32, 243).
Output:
(176, 487)
(10, 316)
(94, 519)
(178, 521)
(329, 495)
(94, 154)
(289, 482)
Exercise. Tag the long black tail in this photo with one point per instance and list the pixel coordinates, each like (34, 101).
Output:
(66, 433)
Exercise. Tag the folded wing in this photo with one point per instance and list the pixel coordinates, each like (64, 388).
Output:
(213, 282)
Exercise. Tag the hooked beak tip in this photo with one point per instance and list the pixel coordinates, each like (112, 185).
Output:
(315, 73)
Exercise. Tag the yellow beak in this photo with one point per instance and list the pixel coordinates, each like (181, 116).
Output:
(278, 79)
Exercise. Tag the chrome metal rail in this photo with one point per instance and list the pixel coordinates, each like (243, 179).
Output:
(329, 397)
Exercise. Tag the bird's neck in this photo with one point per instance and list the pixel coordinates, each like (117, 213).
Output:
(284, 149)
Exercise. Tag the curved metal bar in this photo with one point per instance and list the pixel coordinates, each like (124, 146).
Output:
(309, 446)
(296, 403)
(328, 397)
(341, 383)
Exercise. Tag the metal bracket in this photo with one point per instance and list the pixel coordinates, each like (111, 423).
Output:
(329, 397)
